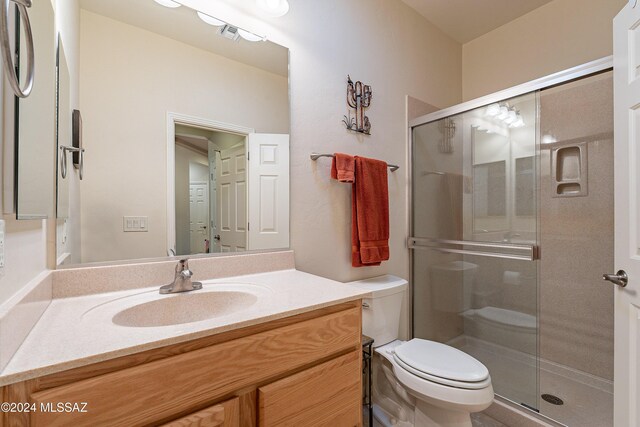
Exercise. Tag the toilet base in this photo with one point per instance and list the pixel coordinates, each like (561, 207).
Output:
(427, 415)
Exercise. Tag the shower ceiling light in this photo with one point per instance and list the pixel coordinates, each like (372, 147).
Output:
(211, 20)
(168, 3)
(273, 8)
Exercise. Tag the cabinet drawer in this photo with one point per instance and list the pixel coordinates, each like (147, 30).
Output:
(158, 390)
(226, 414)
(329, 395)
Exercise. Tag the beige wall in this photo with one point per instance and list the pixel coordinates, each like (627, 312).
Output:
(125, 97)
(559, 35)
(327, 41)
(26, 244)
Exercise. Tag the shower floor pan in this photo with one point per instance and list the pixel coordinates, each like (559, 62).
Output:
(587, 399)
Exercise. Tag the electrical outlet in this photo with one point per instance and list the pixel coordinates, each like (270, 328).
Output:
(135, 223)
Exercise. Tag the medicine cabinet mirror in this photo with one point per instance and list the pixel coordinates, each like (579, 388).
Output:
(34, 120)
(185, 131)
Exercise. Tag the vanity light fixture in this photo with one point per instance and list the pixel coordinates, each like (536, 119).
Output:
(506, 114)
(511, 116)
(211, 20)
(493, 110)
(273, 8)
(229, 31)
(249, 36)
(519, 122)
(168, 3)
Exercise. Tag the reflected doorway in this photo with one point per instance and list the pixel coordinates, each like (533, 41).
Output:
(210, 190)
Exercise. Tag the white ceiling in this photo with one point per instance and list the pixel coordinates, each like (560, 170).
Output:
(183, 24)
(199, 138)
(465, 20)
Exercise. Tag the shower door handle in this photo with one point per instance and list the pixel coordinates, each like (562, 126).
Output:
(620, 278)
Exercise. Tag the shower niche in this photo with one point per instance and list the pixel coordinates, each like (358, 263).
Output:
(569, 170)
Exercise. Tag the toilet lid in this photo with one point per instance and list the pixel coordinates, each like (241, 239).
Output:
(441, 363)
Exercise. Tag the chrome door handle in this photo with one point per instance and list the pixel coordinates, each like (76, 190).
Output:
(620, 278)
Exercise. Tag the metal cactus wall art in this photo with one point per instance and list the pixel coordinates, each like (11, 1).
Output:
(358, 98)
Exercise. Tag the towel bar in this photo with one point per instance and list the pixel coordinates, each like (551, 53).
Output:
(316, 156)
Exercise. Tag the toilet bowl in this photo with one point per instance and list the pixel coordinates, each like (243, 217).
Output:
(447, 384)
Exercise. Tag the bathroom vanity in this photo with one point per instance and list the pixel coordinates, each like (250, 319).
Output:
(291, 357)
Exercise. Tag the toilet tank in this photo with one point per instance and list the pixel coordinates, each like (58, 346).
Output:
(382, 308)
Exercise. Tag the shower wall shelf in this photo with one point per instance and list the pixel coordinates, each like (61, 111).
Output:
(485, 249)
(569, 170)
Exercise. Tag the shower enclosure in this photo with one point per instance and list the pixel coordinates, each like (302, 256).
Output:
(512, 228)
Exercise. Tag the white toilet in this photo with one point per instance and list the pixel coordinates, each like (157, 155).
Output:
(447, 384)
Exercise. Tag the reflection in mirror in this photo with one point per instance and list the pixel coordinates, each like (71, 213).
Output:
(185, 132)
(489, 196)
(525, 186)
(214, 198)
(491, 151)
(35, 175)
(63, 120)
(504, 174)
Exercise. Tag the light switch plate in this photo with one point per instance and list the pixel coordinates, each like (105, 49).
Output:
(135, 224)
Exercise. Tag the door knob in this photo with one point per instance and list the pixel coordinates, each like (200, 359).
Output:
(620, 278)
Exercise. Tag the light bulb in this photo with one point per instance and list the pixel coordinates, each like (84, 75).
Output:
(273, 8)
(511, 117)
(211, 20)
(493, 110)
(504, 112)
(168, 3)
(249, 36)
(519, 122)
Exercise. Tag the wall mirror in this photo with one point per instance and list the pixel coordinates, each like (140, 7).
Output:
(185, 127)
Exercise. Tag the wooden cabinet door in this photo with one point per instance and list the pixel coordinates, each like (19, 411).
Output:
(226, 414)
(328, 395)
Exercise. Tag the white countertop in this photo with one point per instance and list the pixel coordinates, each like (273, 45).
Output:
(79, 331)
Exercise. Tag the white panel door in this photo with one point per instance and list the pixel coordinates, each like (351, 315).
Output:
(213, 197)
(198, 216)
(231, 183)
(268, 191)
(626, 42)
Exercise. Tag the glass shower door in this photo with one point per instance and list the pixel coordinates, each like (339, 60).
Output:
(474, 239)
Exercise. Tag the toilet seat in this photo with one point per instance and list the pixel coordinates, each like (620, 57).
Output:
(441, 364)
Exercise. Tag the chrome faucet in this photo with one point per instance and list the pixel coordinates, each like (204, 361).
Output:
(182, 281)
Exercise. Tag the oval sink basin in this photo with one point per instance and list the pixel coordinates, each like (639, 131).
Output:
(184, 308)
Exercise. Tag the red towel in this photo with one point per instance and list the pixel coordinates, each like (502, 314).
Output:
(342, 167)
(369, 213)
